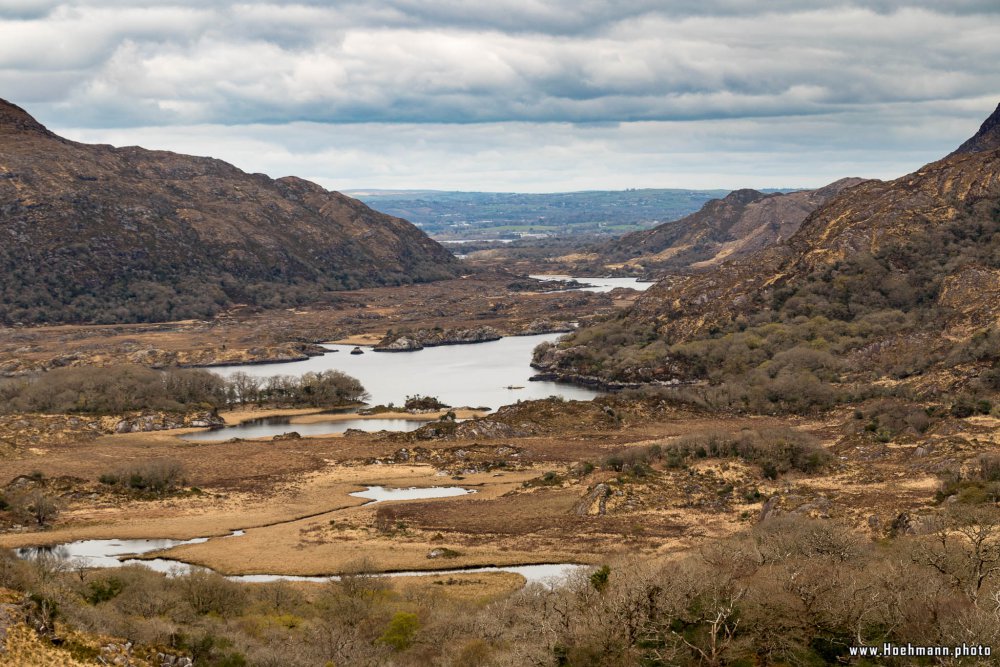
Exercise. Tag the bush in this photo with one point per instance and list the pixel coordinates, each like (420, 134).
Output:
(981, 484)
(102, 590)
(419, 402)
(599, 578)
(157, 477)
(400, 631)
(776, 450)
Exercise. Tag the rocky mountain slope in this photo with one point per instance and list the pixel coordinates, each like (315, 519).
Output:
(741, 223)
(93, 233)
(886, 280)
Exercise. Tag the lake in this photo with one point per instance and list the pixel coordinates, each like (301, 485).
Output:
(489, 374)
(599, 284)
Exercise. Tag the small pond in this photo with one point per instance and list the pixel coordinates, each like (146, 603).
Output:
(381, 494)
(271, 426)
(599, 284)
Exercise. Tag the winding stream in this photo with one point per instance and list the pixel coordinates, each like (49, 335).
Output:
(115, 553)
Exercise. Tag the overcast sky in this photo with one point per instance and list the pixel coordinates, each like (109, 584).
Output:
(521, 95)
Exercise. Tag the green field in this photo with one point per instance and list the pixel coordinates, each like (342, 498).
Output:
(485, 215)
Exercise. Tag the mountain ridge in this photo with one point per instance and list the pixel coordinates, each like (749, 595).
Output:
(987, 138)
(104, 234)
(896, 278)
(741, 223)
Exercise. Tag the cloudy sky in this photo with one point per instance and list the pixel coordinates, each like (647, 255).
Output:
(524, 95)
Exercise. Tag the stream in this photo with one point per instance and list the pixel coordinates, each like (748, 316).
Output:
(116, 553)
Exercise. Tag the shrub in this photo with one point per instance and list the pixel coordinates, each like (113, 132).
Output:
(156, 477)
(102, 590)
(776, 450)
(419, 402)
(599, 578)
(400, 631)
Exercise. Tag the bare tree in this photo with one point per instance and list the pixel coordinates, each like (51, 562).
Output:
(965, 549)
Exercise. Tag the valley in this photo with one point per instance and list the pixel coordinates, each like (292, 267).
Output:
(791, 419)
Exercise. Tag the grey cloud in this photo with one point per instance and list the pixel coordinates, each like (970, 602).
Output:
(597, 67)
(260, 62)
(789, 152)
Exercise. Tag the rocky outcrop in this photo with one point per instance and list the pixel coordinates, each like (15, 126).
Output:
(545, 326)
(595, 502)
(418, 340)
(460, 460)
(162, 421)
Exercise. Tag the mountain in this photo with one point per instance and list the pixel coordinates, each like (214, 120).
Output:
(987, 138)
(741, 223)
(93, 233)
(896, 280)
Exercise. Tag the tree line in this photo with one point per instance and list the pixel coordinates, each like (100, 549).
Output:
(126, 387)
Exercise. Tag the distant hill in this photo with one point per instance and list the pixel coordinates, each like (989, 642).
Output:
(741, 223)
(451, 216)
(93, 233)
(888, 280)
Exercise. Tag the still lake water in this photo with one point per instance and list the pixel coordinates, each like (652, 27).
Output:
(489, 374)
(599, 284)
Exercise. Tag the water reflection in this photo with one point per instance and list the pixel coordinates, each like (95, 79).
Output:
(489, 374)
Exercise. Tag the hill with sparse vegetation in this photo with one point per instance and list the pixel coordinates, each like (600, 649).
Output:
(93, 233)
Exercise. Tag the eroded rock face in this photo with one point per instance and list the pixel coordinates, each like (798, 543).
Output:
(417, 340)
